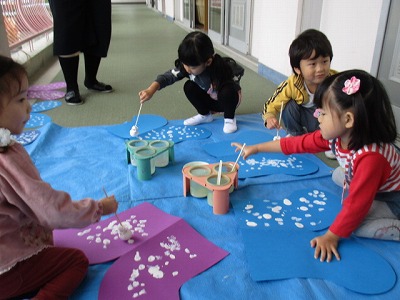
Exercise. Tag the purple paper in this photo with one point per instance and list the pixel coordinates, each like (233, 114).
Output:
(45, 95)
(158, 268)
(48, 87)
(100, 241)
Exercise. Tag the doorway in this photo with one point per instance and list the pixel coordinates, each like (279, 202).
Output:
(195, 14)
(389, 64)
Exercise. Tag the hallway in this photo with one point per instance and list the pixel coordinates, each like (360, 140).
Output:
(143, 45)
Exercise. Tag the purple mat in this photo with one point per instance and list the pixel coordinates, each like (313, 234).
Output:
(100, 241)
(158, 268)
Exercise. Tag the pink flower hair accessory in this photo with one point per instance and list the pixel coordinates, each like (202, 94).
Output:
(351, 86)
(317, 113)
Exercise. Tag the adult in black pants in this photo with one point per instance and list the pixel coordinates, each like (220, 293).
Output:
(81, 26)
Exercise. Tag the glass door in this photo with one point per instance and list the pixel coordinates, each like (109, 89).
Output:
(188, 13)
(389, 65)
(216, 20)
(238, 35)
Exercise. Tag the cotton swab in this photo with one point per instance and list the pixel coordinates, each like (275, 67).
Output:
(135, 130)
(219, 173)
(119, 221)
(277, 137)
(124, 233)
(237, 159)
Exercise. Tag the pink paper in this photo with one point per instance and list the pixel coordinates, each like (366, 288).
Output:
(158, 268)
(48, 87)
(100, 241)
(45, 95)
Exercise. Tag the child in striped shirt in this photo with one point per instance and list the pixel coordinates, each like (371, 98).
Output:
(356, 121)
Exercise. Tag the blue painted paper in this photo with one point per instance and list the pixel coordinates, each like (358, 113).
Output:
(176, 133)
(277, 255)
(145, 123)
(45, 105)
(307, 209)
(37, 120)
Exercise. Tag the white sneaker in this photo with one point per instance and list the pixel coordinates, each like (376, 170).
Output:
(230, 125)
(198, 119)
(329, 154)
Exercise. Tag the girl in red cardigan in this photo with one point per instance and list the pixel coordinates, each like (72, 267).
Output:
(356, 120)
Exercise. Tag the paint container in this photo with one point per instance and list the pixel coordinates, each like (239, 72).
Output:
(197, 190)
(133, 146)
(221, 202)
(162, 159)
(226, 169)
(145, 163)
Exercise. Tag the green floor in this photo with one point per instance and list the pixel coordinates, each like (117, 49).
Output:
(144, 44)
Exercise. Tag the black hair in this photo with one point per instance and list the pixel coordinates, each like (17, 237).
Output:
(374, 121)
(196, 49)
(306, 42)
(10, 72)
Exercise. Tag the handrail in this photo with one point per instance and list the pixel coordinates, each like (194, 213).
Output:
(26, 20)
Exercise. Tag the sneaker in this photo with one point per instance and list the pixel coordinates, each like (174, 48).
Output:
(230, 125)
(73, 98)
(198, 119)
(329, 154)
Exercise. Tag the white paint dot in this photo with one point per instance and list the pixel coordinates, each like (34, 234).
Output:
(251, 224)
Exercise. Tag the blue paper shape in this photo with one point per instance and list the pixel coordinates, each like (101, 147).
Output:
(37, 120)
(308, 209)
(27, 137)
(262, 164)
(145, 123)
(287, 254)
(250, 137)
(177, 133)
(45, 105)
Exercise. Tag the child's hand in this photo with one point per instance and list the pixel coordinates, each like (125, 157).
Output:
(272, 123)
(145, 95)
(149, 92)
(247, 150)
(110, 205)
(326, 245)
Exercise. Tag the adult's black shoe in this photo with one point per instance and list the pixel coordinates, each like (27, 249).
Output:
(100, 87)
(73, 98)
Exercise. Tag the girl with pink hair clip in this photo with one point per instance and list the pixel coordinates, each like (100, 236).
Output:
(356, 121)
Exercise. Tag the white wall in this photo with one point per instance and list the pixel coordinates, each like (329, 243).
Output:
(169, 8)
(274, 28)
(351, 27)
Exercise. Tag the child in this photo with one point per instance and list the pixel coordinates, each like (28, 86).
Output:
(310, 57)
(30, 209)
(211, 85)
(356, 120)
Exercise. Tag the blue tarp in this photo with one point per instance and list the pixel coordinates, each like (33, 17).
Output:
(83, 160)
